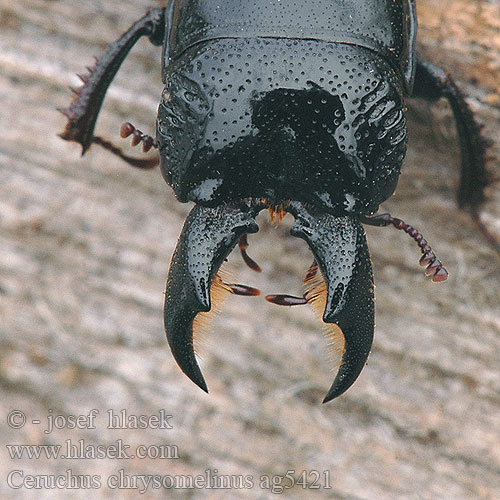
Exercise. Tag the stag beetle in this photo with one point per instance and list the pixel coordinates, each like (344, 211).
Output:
(291, 105)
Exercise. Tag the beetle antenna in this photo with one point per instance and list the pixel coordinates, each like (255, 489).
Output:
(434, 266)
(135, 162)
(148, 142)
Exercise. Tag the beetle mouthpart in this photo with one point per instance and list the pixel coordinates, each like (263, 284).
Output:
(286, 300)
(291, 300)
(207, 238)
(243, 290)
(343, 293)
(243, 245)
(276, 212)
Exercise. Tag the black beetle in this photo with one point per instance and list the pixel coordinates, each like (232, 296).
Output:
(291, 105)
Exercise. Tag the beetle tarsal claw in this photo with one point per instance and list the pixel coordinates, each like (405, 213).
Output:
(341, 253)
(207, 238)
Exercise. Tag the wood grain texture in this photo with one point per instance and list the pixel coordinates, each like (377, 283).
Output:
(85, 245)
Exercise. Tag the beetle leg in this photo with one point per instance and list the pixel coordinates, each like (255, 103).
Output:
(345, 296)
(434, 266)
(432, 82)
(83, 111)
(208, 236)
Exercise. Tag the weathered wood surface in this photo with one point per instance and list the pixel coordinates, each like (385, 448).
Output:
(85, 246)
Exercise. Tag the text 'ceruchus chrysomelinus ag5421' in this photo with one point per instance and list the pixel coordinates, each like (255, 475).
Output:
(296, 106)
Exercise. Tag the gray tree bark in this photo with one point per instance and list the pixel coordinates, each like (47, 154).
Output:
(85, 248)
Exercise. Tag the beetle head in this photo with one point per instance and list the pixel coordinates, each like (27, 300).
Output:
(332, 134)
(326, 144)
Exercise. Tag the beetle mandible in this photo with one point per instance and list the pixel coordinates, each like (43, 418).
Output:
(291, 105)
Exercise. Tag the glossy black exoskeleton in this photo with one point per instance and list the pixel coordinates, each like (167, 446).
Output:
(292, 105)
